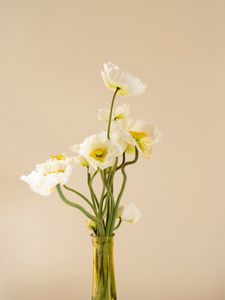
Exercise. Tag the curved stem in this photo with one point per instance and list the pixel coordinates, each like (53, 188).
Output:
(118, 225)
(131, 162)
(83, 210)
(111, 111)
(123, 161)
(82, 196)
(111, 222)
(113, 219)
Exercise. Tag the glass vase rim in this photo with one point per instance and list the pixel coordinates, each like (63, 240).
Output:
(102, 238)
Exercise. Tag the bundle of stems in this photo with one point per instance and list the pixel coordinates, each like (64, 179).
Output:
(104, 208)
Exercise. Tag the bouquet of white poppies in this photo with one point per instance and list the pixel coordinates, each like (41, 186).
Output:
(105, 154)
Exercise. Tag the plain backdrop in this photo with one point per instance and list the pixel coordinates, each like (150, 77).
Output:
(51, 54)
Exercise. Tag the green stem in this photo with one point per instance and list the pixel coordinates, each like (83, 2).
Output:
(93, 195)
(103, 191)
(123, 161)
(83, 210)
(114, 214)
(104, 206)
(111, 111)
(110, 196)
(118, 225)
(131, 162)
(82, 196)
(113, 171)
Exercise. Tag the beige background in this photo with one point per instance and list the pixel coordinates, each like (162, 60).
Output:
(51, 89)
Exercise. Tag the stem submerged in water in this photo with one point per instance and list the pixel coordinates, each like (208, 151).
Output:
(103, 284)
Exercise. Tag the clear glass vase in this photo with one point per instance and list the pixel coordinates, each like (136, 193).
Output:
(103, 284)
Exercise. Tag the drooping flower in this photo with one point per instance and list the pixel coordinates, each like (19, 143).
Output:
(47, 175)
(114, 78)
(129, 213)
(99, 151)
(144, 136)
(89, 224)
(119, 114)
(139, 134)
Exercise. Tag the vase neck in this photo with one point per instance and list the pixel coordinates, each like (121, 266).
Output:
(99, 240)
(103, 284)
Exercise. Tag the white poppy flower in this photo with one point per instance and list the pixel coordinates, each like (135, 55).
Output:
(114, 77)
(139, 134)
(129, 213)
(47, 175)
(119, 114)
(144, 135)
(99, 151)
(153, 132)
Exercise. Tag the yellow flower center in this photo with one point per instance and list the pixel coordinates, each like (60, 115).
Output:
(137, 135)
(122, 90)
(54, 158)
(99, 154)
(119, 117)
(83, 162)
(58, 157)
(142, 141)
(54, 172)
(90, 224)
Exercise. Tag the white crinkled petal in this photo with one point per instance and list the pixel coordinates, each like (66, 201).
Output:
(119, 114)
(39, 183)
(129, 213)
(123, 109)
(48, 175)
(121, 137)
(103, 114)
(155, 134)
(123, 134)
(96, 142)
(114, 77)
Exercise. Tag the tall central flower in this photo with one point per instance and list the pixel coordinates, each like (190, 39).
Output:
(99, 151)
(128, 84)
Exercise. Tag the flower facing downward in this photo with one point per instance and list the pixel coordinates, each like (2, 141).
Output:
(89, 224)
(129, 213)
(114, 78)
(47, 175)
(144, 136)
(140, 134)
(99, 151)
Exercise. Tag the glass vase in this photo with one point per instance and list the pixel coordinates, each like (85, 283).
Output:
(103, 281)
